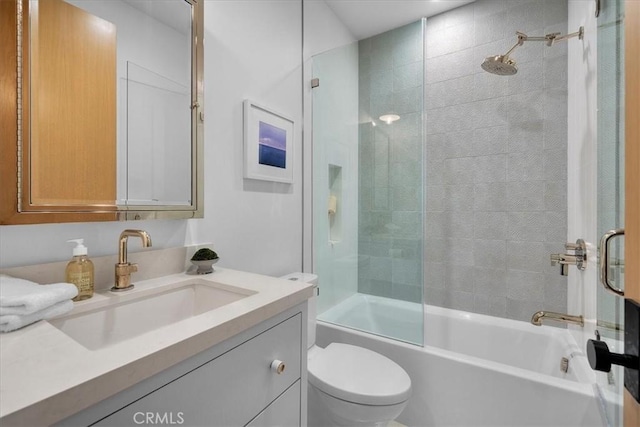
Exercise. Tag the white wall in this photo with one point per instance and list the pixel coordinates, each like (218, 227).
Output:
(253, 49)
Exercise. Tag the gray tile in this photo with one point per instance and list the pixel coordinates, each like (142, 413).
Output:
(407, 76)
(435, 296)
(525, 285)
(489, 253)
(405, 148)
(491, 140)
(490, 225)
(460, 278)
(381, 82)
(435, 249)
(526, 136)
(530, 77)
(555, 292)
(409, 31)
(459, 90)
(490, 306)
(490, 282)
(408, 272)
(555, 11)
(555, 72)
(459, 170)
(380, 268)
(434, 273)
(382, 288)
(555, 134)
(409, 129)
(435, 224)
(490, 112)
(490, 28)
(459, 300)
(436, 147)
(435, 198)
(459, 197)
(407, 101)
(409, 293)
(524, 16)
(526, 226)
(457, 252)
(555, 226)
(527, 256)
(488, 86)
(526, 166)
(489, 7)
(407, 198)
(490, 197)
(555, 102)
(458, 144)
(458, 224)
(522, 310)
(555, 165)
(555, 195)
(407, 50)
(435, 95)
(526, 196)
(406, 174)
(526, 107)
(381, 198)
(435, 172)
(490, 168)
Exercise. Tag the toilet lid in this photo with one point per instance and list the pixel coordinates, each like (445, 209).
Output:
(358, 375)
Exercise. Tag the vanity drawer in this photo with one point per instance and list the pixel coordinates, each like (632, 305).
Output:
(229, 390)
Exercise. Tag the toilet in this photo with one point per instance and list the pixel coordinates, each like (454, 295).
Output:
(350, 385)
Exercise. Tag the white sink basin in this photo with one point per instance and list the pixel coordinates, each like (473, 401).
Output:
(147, 310)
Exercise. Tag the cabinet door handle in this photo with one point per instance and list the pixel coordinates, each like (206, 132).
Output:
(277, 366)
(604, 260)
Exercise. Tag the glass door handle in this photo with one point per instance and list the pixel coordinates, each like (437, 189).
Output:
(604, 260)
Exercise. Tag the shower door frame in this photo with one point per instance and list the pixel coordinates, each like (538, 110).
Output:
(632, 175)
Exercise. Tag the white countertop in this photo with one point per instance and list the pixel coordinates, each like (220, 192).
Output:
(46, 376)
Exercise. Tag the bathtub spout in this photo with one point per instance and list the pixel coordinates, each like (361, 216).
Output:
(537, 318)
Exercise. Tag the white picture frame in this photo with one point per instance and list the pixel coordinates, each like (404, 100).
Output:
(268, 144)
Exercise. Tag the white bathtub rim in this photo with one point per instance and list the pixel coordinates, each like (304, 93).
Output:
(499, 368)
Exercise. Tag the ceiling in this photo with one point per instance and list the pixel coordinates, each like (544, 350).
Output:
(366, 18)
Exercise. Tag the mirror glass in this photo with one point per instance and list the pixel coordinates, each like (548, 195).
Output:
(112, 100)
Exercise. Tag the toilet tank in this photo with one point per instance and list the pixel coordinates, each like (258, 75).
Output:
(311, 323)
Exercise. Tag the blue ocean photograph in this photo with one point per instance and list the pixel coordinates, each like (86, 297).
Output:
(272, 146)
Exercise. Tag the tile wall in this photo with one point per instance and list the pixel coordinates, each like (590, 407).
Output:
(496, 156)
(391, 163)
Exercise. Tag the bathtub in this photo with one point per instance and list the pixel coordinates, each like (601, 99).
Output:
(473, 370)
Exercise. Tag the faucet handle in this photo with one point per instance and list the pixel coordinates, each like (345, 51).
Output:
(133, 267)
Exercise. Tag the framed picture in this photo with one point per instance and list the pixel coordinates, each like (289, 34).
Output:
(268, 144)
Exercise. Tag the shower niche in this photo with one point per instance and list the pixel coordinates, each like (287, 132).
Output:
(333, 204)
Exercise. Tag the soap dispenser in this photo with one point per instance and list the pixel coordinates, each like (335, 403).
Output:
(80, 271)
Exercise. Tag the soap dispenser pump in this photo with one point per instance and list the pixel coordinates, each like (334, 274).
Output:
(80, 271)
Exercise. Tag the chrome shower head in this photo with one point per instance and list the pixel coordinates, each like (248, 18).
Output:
(500, 65)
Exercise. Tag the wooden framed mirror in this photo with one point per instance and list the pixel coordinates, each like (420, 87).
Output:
(101, 110)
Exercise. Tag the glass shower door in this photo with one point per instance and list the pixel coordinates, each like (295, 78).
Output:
(610, 308)
(368, 165)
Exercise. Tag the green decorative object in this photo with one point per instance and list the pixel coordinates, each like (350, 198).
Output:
(204, 259)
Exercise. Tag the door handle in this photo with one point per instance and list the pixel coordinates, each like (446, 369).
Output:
(600, 358)
(604, 260)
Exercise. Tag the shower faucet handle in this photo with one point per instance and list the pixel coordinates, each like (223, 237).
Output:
(579, 258)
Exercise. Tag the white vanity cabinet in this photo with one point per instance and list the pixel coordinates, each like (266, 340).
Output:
(230, 384)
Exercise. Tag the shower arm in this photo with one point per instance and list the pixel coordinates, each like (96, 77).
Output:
(550, 39)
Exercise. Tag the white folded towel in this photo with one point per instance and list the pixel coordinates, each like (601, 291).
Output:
(11, 322)
(23, 297)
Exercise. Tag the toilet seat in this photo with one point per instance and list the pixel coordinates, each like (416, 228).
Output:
(358, 375)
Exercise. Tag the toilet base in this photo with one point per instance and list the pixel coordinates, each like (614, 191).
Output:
(325, 410)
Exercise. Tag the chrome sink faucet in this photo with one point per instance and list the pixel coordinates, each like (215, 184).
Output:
(123, 267)
(539, 316)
